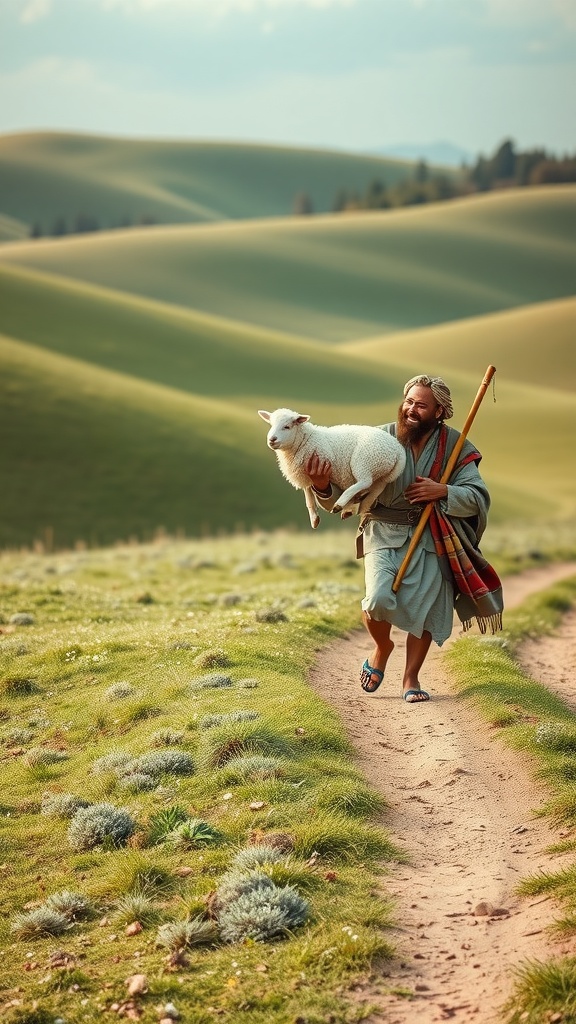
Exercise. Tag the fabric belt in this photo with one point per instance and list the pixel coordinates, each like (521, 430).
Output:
(401, 516)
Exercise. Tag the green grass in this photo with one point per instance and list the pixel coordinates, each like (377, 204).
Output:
(45, 175)
(532, 719)
(91, 634)
(338, 277)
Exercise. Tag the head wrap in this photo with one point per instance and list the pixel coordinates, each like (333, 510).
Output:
(439, 389)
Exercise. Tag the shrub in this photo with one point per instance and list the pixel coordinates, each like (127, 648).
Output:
(167, 737)
(213, 659)
(135, 906)
(182, 934)
(61, 805)
(236, 883)
(271, 615)
(113, 762)
(41, 757)
(263, 914)
(22, 619)
(164, 822)
(256, 856)
(38, 923)
(18, 737)
(214, 680)
(18, 686)
(136, 782)
(119, 691)
(72, 904)
(100, 824)
(165, 762)
(220, 744)
(247, 684)
(193, 832)
(252, 767)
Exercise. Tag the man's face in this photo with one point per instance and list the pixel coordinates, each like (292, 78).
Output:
(418, 414)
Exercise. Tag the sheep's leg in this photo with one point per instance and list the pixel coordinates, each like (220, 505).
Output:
(312, 508)
(345, 503)
(369, 499)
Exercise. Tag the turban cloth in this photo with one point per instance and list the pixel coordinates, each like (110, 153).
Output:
(439, 389)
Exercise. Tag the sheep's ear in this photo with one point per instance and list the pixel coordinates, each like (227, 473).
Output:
(301, 419)
(265, 415)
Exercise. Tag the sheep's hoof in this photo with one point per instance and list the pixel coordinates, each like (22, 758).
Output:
(315, 523)
(336, 508)
(346, 513)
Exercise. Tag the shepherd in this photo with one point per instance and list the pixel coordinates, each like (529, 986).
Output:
(417, 575)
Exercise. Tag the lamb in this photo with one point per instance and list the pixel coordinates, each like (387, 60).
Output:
(364, 459)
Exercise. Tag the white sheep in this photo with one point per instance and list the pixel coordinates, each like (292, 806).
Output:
(364, 459)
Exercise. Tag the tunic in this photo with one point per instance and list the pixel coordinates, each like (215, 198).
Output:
(425, 599)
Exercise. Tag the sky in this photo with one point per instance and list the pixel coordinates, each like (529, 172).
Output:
(346, 74)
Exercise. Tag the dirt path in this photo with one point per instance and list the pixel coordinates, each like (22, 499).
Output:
(460, 805)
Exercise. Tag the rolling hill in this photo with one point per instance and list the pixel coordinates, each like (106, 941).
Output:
(125, 407)
(342, 276)
(44, 176)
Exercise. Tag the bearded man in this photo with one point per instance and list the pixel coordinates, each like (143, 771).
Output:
(431, 588)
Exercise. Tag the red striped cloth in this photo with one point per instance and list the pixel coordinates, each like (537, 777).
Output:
(478, 587)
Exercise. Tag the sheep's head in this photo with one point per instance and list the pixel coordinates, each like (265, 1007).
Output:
(284, 427)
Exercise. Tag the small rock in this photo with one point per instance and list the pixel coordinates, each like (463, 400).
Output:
(421, 988)
(257, 805)
(483, 909)
(137, 984)
(261, 968)
(171, 1012)
(133, 929)
(500, 912)
(184, 871)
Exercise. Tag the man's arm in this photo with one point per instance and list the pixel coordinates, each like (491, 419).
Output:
(325, 492)
(465, 496)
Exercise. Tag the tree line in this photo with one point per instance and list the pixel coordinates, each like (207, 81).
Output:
(83, 223)
(506, 168)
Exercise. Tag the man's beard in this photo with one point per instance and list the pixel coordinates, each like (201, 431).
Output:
(411, 433)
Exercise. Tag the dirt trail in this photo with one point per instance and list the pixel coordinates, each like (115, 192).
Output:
(460, 805)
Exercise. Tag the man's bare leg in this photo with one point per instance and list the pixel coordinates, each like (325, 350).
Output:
(380, 633)
(416, 650)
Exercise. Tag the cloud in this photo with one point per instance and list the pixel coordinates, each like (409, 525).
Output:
(34, 10)
(521, 11)
(218, 6)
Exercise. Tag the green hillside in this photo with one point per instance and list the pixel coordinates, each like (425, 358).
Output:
(93, 454)
(179, 347)
(47, 175)
(342, 276)
(534, 344)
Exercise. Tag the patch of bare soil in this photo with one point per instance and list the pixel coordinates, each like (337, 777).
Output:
(461, 806)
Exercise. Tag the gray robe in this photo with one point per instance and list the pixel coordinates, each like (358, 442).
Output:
(425, 599)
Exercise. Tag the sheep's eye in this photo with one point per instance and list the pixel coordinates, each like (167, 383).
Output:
(286, 428)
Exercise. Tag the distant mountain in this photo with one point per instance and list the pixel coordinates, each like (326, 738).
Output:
(433, 152)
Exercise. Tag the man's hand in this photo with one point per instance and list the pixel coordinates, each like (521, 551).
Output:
(319, 472)
(424, 489)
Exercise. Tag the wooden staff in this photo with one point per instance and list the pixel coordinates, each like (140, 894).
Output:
(444, 479)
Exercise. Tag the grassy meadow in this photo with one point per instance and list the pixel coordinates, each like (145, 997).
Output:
(221, 766)
(198, 652)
